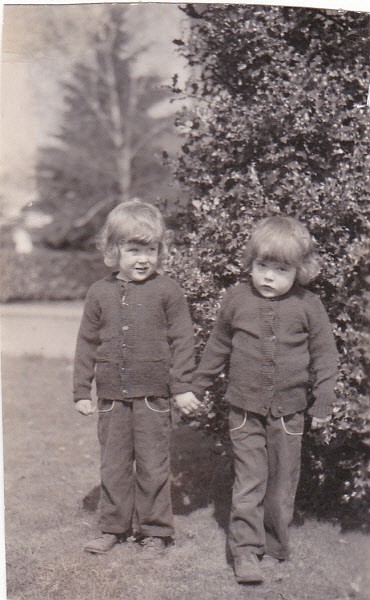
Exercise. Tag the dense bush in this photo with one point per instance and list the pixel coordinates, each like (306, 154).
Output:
(279, 123)
(48, 274)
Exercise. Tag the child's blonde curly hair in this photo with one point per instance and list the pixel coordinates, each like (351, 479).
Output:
(283, 239)
(131, 221)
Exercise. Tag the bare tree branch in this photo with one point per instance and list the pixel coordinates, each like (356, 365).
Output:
(114, 103)
(91, 213)
(147, 137)
(98, 112)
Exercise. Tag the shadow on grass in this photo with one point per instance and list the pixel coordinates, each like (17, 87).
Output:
(201, 475)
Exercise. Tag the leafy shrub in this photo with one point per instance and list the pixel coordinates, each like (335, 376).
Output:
(279, 123)
(48, 274)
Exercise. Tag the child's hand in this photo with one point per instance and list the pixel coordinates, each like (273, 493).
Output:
(319, 423)
(186, 402)
(85, 407)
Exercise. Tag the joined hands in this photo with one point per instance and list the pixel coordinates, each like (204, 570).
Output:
(186, 402)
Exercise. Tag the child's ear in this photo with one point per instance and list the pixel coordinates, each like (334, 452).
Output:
(110, 262)
(111, 259)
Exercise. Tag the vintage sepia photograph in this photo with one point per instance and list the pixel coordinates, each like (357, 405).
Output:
(184, 301)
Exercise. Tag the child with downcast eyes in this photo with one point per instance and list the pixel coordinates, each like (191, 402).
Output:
(276, 337)
(136, 339)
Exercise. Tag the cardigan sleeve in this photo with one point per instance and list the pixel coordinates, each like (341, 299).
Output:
(324, 359)
(87, 342)
(180, 333)
(216, 352)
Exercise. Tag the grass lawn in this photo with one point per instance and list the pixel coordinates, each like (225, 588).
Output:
(51, 472)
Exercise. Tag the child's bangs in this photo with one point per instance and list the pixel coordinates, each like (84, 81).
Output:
(287, 251)
(143, 232)
(145, 236)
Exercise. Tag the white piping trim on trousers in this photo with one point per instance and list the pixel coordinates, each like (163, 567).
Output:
(240, 426)
(108, 409)
(289, 432)
(154, 409)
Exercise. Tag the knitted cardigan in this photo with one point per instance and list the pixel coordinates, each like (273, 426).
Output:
(135, 338)
(275, 348)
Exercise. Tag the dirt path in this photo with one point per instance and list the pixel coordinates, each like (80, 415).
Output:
(46, 329)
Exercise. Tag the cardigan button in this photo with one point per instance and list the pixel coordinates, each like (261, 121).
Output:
(280, 410)
(125, 328)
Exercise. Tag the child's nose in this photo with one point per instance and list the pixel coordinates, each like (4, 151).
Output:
(269, 275)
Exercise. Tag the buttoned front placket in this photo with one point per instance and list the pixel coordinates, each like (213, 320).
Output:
(268, 346)
(126, 324)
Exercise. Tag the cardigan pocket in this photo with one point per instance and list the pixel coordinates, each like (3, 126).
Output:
(296, 327)
(106, 370)
(295, 334)
(157, 368)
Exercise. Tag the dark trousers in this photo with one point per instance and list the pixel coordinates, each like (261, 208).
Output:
(267, 459)
(135, 466)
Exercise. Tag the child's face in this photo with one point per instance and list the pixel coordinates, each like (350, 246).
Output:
(137, 260)
(272, 278)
